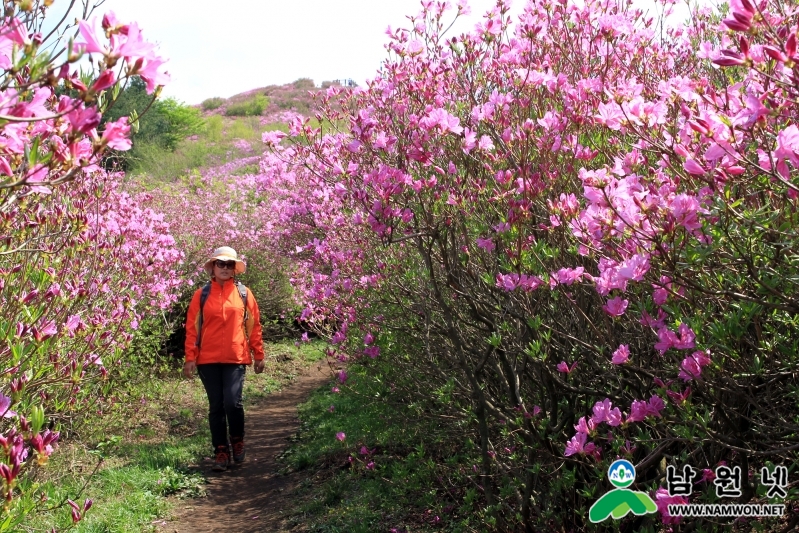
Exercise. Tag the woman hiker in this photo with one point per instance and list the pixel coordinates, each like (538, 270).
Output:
(225, 314)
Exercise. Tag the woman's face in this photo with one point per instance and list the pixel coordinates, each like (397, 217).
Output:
(224, 270)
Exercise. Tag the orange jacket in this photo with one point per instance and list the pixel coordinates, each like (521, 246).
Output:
(223, 339)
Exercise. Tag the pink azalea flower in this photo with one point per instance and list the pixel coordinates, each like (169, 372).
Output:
(686, 338)
(469, 140)
(707, 475)
(72, 323)
(660, 296)
(507, 282)
(83, 120)
(133, 47)
(104, 81)
(616, 306)
(414, 47)
(634, 268)
(567, 276)
(602, 411)
(110, 22)
(564, 367)
(486, 244)
(485, 143)
(614, 417)
(152, 76)
(654, 323)
(654, 406)
(115, 135)
(663, 500)
(638, 411)
(668, 339)
(273, 138)
(679, 397)
(576, 445)
(91, 43)
(48, 329)
(5, 407)
(685, 209)
(692, 167)
(610, 115)
(585, 426)
(788, 144)
(691, 367)
(621, 355)
(628, 448)
(529, 283)
(372, 351)
(340, 436)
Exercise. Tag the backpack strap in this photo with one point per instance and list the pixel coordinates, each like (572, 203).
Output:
(203, 297)
(243, 293)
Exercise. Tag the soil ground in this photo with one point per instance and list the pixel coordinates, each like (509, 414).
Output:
(251, 497)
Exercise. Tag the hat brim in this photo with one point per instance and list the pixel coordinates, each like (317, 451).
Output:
(240, 266)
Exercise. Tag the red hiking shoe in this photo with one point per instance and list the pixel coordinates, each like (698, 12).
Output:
(238, 450)
(222, 459)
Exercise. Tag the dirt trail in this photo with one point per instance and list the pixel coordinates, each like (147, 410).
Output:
(249, 498)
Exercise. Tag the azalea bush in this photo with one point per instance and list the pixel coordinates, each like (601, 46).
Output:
(81, 261)
(575, 231)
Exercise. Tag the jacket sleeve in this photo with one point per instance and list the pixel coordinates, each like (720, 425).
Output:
(256, 334)
(192, 318)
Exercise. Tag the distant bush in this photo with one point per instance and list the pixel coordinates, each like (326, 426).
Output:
(303, 83)
(212, 103)
(162, 123)
(171, 122)
(252, 107)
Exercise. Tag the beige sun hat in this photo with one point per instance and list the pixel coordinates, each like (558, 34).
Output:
(225, 253)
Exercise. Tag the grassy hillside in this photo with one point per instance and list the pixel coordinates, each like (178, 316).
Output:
(231, 130)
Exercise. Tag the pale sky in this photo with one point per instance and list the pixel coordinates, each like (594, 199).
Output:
(218, 48)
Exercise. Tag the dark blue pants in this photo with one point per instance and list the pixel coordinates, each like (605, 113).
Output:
(223, 384)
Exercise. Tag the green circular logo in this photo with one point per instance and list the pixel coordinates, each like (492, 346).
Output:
(621, 473)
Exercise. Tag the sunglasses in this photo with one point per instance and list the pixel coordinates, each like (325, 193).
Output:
(225, 264)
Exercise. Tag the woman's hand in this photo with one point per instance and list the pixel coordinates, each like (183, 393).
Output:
(259, 366)
(188, 369)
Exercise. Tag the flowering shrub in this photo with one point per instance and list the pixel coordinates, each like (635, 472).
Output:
(80, 260)
(578, 227)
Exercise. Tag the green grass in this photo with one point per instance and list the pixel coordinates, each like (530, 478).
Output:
(128, 462)
(215, 145)
(142, 456)
(165, 165)
(402, 488)
(246, 128)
